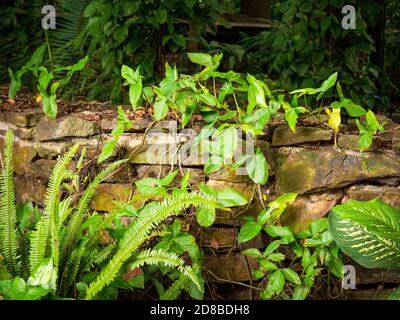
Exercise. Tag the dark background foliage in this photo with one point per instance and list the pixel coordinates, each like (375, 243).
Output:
(303, 44)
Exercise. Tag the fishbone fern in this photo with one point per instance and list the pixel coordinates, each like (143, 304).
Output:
(48, 227)
(149, 217)
(8, 217)
(174, 291)
(73, 227)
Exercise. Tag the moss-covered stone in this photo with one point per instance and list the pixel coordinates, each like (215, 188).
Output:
(350, 141)
(29, 189)
(63, 127)
(23, 153)
(303, 170)
(23, 119)
(235, 267)
(307, 208)
(51, 150)
(396, 142)
(283, 136)
(365, 192)
(107, 194)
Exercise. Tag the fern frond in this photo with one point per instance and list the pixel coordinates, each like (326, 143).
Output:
(8, 216)
(79, 213)
(46, 236)
(103, 254)
(4, 274)
(64, 210)
(157, 257)
(150, 216)
(73, 265)
(174, 291)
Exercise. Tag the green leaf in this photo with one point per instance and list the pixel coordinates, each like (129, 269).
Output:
(291, 118)
(325, 23)
(276, 257)
(205, 216)
(201, 59)
(75, 67)
(230, 198)
(276, 282)
(225, 144)
(108, 150)
(300, 68)
(128, 74)
(160, 109)
(213, 164)
(257, 168)
(185, 180)
(268, 265)
(279, 231)
(280, 204)
(256, 95)
(300, 292)
(274, 245)
(44, 274)
(150, 187)
(306, 259)
(190, 3)
(135, 92)
(291, 276)
(354, 110)
(187, 243)
(15, 85)
(252, 252)
(44, 77)
(249, 231)
(160, 16)
(329, 83)
(204, 134)
(395, 295)
(368, 232)
(168, 178)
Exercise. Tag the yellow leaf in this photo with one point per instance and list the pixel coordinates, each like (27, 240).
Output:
(38, 98)
(334, 118)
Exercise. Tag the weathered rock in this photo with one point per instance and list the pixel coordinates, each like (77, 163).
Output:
(307, 208)
(350, 141)
(396, 142)
(367, 192)
(138, 125)
(107, 194)
(23, 153)
(29, 189)
(225, 174)
(43, 168)
(226, 238)
(20, 132)
(158, 148)
(245, 189)
(63, 127)
(389, 125)
(283, 136)
(51, 150)
(235, 267)
(301, 170)
(23, 119)
(316, 119)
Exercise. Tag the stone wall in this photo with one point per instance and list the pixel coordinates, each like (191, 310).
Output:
(305, 162)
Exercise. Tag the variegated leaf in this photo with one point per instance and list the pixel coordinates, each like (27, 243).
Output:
(369, 232)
